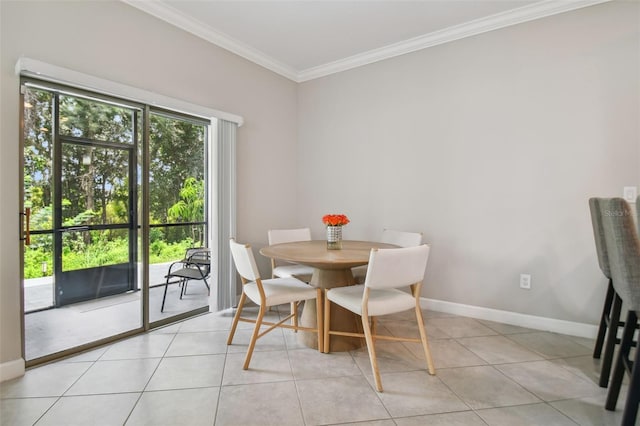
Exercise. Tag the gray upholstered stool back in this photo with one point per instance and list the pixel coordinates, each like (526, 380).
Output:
(623, 248)
(598, 235)
(638, 213)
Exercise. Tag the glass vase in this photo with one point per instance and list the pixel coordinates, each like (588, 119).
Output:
(334, 237)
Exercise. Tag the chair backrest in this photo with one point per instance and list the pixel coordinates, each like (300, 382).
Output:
(401, 238)
(278, 236)
(244, 260)
(598, 236)
(198, 253)
(623, 246)
(392, 268)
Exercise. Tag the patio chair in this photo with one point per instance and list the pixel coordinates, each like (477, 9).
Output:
(196, 265)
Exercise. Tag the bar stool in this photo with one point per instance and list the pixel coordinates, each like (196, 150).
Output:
(623, 247)
(610, 318)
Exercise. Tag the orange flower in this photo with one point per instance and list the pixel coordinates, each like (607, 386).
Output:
(335, 219)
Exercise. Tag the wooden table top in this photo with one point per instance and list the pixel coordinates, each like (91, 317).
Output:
(314, 253)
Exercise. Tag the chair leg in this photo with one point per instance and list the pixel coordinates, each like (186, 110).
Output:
(604, 318)
(425, 342)
(633, 394)
(372, 352)
(319, 319)
(183, 287)
(164, 297)
(294, 318)
(610, 344)
(236, 318)
(623, 354)
(254, 337)
(327, 323)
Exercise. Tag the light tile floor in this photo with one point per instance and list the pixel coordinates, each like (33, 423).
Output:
(184, 374)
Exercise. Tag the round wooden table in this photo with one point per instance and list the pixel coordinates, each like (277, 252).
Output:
(332, 268)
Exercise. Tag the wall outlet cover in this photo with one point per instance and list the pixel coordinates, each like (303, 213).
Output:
(525, 281)
(630, 193)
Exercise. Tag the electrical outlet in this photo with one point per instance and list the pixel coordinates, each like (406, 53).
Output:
(525, 281)
(630, 193)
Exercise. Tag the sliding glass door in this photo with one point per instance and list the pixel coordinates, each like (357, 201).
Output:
(90, 170)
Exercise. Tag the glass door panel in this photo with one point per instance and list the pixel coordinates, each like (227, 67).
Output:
(37, 199)
(81, 170)
(177, 188)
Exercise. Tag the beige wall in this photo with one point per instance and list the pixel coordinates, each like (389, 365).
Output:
(490, 146)
(115, 41)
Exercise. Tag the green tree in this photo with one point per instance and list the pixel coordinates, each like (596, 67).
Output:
(177, 153)
(190, 208)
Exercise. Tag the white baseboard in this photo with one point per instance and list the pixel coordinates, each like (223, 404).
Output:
(513, 318)
(12, 369)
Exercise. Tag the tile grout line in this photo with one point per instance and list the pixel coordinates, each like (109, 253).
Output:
(150, 378)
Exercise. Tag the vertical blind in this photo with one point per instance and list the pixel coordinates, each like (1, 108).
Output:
(226, 187)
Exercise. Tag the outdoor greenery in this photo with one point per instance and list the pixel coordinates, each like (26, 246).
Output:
(96, 186)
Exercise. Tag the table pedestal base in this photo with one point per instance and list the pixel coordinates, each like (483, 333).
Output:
(341, 319)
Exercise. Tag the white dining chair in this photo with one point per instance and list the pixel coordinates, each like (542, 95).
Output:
(287, 269)
(267, 293)
(282, 269)
(388, 270)
(390, 236)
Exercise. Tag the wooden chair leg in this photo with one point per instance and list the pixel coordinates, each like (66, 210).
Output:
(236, 318)
(254, 337)
(327, 323)
(619, 368)
(294, 318)
(604, 319)
(319, 319)
(425, 342)
(372, 352)
(610, 344)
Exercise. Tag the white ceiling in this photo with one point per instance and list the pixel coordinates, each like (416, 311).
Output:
(306, 39)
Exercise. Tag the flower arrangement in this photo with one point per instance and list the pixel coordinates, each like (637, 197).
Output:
(335, 219)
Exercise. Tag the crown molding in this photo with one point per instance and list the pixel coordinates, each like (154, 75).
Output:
(457, 32)
(493, 22)
(175, 17)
